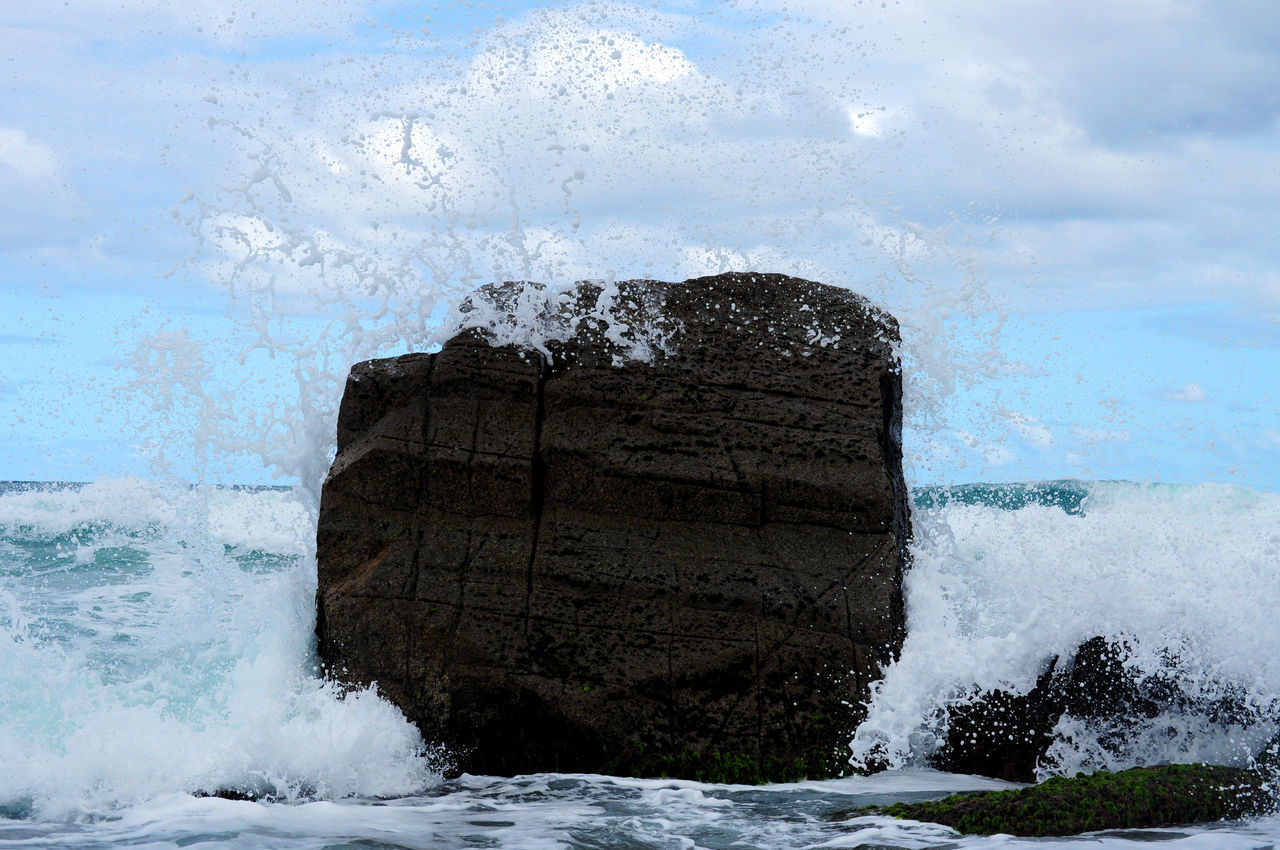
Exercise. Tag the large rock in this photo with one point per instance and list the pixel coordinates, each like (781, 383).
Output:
(554, 558)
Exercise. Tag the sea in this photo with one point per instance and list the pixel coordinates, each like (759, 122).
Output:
(156, 647)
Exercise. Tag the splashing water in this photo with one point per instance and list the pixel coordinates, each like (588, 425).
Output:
(357, 223)
(157, 639)
(1181, 572)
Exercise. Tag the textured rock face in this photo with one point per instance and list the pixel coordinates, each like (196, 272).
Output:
(553, 562)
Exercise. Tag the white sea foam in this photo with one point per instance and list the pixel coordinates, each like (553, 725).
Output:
(532, 316)
(271, 520)
(178, 657)
(994, 594)
(567, 811)
(127, 503)
(159, 638)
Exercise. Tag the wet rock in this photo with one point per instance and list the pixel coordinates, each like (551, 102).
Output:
(556, 558)
(1001, 734)
(1139, 798)
(1006, 735)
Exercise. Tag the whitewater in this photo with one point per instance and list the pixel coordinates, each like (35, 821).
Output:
(298, 215)
(157, 647)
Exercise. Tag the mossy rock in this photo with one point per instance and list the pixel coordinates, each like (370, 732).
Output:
(1138, 798)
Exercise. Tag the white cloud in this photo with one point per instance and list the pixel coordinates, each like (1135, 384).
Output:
(870, 123)
(1189, 392)
(1029, 428)
(1098, 134)
(41, 207)
(224, 23)
(951, 160)
(564, 146)
(1019, 369)
(997, 455)
(1100, 435)
(575, 59)
(591, 114)
(28, 159)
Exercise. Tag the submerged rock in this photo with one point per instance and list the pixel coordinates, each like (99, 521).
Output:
(1139, 798)
(1001, 734)
(1006, 735)
(554, 556)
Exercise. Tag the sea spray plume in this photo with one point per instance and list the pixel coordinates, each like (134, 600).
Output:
(554, 145)
(351, 224)
(171, 375)
(158, 641)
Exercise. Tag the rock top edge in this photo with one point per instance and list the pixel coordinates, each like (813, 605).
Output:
(646, 320)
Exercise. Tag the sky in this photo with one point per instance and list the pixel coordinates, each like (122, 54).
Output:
(213, 207)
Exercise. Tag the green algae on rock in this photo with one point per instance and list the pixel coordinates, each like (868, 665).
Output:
(1138, 798)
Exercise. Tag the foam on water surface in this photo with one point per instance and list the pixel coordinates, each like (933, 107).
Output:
(571, 812)
(158, 640)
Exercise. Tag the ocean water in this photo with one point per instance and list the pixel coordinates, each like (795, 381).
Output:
(156, 645)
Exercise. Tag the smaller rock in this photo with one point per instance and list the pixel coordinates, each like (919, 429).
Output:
(1139, 798)
(1001, 734)
(1006, 735)
(233, 794)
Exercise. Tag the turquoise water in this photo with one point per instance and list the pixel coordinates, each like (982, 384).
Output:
(1069, 496)
(156, 644)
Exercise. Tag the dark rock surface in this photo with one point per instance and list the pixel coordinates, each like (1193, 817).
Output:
(1139, 798)
(1006, 735)
(552, 560)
